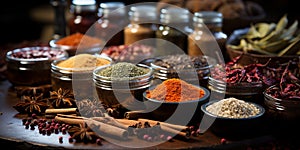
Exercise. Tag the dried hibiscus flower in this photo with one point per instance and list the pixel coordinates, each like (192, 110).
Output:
(32, 104)
(62, 99)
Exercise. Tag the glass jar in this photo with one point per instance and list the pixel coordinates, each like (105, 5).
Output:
(141, 26)
(112, 19)
(31, 66)
(207, 37)
(174, 27)
(125, 93)
(248, 91)
(78, 80)
(192, 69)
(84, 15)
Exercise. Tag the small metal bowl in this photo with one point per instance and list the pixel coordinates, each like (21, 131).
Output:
(223, 126)
(28, 69)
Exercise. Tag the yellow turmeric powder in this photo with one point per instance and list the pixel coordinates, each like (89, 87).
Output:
(175, 90)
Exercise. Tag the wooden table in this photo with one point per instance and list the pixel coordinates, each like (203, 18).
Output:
(15, 136)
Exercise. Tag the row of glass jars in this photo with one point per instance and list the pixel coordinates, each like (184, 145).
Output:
(173, 27)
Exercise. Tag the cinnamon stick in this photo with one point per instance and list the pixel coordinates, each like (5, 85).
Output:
(174, 126)
(175, 132)
(102, 127)
(69, 120)
(109, 129)
(61, 111)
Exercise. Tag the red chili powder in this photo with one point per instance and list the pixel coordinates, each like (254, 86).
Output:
(175, 90)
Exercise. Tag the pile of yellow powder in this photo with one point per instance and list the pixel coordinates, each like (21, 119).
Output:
(83, 61)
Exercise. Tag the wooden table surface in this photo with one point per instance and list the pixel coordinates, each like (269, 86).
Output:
(15, 136)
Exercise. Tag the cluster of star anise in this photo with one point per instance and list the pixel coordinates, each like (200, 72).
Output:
(37, 103)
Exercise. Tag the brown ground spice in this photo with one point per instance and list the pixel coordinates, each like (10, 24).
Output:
(175, 90)
(83, 61)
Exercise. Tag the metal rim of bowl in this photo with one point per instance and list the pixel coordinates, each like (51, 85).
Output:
(9, 53)
(71, 70)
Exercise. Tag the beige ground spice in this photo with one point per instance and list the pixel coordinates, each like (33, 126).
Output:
(233, 108)
(83, 61)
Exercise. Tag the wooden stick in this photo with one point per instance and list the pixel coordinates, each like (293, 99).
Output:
(174, 126)
(61, 111)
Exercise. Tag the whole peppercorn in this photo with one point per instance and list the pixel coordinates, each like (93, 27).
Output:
(60, 139)
(99, 141)
(71, 140)
(223, 141)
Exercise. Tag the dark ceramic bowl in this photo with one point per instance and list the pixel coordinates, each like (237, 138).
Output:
(177, 112)
(233, 126)
(251, 58)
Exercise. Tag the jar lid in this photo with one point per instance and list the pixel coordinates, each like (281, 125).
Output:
(208, 17)
(83, 5)
(142, 13)
(174, 14)
(108, 7)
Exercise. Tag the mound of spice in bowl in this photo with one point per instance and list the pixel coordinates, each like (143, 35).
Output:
(233, 108)
(130, 53)
(175, 90)
(78, 42)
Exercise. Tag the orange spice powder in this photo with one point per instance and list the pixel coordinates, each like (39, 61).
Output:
(175, 90)
(79, 38)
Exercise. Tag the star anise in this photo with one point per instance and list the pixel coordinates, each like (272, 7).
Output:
(83, 133)
(90, 108)
(32, 104)
(62, 98)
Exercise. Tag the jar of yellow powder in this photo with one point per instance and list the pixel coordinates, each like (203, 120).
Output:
(76, 73)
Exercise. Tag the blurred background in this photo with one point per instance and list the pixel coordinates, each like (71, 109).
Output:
(34, 19)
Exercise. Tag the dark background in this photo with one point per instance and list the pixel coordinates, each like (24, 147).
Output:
(18, 25)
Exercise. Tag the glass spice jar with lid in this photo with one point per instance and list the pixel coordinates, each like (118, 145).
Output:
(174, 27)
(207, 37)
(142, 25)
(112, 18)
(84, 15)
(121, 85)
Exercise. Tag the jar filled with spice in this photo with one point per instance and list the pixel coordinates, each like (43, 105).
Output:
(142, 25)
(84, 15)
(207, 37)
(174, 27)
(113, 18)
(121, 85)
(75, 73)
(192, 69)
